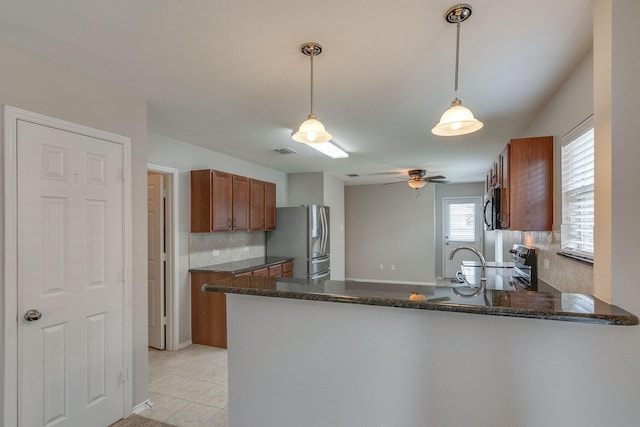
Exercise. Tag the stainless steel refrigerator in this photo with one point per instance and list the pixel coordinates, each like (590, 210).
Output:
(303, 233)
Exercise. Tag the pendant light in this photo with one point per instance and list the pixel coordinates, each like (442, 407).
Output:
(457, 120)
(311, 130)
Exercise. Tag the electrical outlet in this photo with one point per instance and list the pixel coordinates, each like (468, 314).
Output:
(381, 266)
(545, 264)
(216, 252)
(393, 266)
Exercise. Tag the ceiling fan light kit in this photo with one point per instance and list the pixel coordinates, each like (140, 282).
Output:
(417, 184)
(457, 120)
(418, 179)
(311, 131)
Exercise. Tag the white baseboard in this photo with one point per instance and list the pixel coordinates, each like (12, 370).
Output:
(184, 344)
(147, 404)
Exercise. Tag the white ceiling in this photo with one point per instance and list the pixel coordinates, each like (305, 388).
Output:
(229, 75)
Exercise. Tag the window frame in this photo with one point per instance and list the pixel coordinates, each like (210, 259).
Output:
(583, 203)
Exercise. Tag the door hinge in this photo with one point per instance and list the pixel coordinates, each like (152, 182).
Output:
(164, 194)
(164, 256)
(164, 321)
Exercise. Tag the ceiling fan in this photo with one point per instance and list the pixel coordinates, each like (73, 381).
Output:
(419, 179)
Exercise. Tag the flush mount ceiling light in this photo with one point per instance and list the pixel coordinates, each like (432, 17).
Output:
(311, 131)
(457, 120)
(329, 149)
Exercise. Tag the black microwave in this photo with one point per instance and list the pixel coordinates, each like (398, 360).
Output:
(491, 211)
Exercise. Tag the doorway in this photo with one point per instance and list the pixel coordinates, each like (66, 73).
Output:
(462, 226)
(162, 239)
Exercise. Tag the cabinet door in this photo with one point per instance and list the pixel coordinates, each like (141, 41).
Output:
(240, 202)
(270, 205)
(531, 184)
(221, 200)
(256, 200)
(275, 270)
(201, 205)
(264, 272)
(287, 269)
(208, 312)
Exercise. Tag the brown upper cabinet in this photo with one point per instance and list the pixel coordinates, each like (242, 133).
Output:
(256, 195)
(523, 173)
(269, 206)
(221, 201)
(531, 184)
(240, 199)
(211, 201)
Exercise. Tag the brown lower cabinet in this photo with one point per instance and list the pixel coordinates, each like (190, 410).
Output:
(287, 269)
(209, 309)
(208, 312)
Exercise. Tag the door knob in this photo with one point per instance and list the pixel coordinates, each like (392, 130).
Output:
(32, 315)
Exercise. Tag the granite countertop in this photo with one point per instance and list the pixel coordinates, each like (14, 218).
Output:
(526, 304)
(237, 267)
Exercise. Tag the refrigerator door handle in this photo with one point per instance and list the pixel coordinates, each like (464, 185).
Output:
(322, 230)
(320, 260)
(325, 226)
(320, 276)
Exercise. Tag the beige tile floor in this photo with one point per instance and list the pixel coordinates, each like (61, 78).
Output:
(188, 388)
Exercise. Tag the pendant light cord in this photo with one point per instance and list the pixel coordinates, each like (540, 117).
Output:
(312, 50)
(457, 56)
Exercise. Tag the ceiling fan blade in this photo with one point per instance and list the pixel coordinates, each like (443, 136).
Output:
(439, 181)
(399, 182)
(432, 178)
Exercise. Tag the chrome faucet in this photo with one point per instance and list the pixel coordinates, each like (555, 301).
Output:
(483, 266)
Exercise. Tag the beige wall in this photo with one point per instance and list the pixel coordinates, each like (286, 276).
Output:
(305, 189)
(390, 224)
(36, 85)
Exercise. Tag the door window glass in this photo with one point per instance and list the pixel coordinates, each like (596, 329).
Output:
(462, 222)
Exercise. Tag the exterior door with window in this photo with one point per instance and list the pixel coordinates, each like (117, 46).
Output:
(462, 226)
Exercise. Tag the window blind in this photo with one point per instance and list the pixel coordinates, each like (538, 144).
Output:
(462, 222)
(578, 189)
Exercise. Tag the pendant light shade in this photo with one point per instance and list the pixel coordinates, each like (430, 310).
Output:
(311, 130)
(457, 120)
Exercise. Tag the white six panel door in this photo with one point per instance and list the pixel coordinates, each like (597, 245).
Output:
(155, 251)
(70, 269)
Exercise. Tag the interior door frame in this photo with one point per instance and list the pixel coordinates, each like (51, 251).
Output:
(10, 248)
(476, 199)
(172, 299)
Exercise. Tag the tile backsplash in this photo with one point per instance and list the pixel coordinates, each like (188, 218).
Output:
(564, 274)
(228, 246)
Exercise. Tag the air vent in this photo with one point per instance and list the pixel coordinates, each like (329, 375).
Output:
(352, 175)
(285, 150)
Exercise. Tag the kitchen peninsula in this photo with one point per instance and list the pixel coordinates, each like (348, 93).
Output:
(357, 354)
(208, 310)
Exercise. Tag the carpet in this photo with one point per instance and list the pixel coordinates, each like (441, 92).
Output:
(139, 421)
